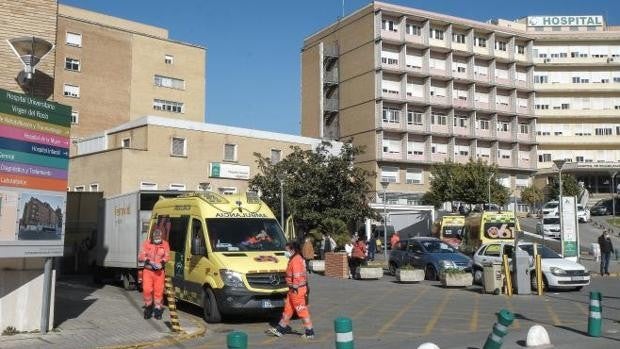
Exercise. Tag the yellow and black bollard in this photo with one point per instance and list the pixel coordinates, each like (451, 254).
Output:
(508, 275)
(539, 276)
(172, 306)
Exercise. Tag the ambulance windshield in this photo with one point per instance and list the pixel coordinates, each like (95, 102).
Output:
(245, 234)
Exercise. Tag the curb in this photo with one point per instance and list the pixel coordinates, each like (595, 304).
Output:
(599, 276)
(182, 337)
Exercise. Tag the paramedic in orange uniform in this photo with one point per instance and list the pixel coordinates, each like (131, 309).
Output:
(295, 302)
(155, 252)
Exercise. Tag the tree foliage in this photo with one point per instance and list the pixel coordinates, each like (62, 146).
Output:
(468, 183)
(316, 185)
(570, 186)
(337, 229)
(532, 196)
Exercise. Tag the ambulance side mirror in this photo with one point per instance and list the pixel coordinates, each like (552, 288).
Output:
(198, 248)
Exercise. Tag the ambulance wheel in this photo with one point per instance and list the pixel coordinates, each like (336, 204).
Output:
(209, 305)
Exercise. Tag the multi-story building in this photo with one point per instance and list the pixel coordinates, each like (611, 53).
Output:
(111, 70)
(577, 84)
(155, 153)
(417, 88)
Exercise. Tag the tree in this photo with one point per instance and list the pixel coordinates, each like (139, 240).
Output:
(467, 183)
(337, 229)
(570, 186)
(317, 185)
(532, 196)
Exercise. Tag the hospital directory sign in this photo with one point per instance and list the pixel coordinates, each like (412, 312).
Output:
(34, 159)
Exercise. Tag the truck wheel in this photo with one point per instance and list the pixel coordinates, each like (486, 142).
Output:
(209, 305)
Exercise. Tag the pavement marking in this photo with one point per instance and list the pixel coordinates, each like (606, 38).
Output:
(372, 305)
(583, 309)
(553, 315)
(440, 309)
(473, 323)
(402, 312)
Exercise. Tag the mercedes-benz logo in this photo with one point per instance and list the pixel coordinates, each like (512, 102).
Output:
(274, 280)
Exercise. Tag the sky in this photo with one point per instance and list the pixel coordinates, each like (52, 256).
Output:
(253, 47)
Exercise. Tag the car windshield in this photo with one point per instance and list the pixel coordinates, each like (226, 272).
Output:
(432, 246)
(452, 231)
(245, 234)
(543, 251)
(551, 220)
(551, 205)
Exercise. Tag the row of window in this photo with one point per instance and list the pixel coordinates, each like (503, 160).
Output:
(544, 79)
(598, 131)
(95, 187)
(394, 147)
(392, 175)
(415, 118)
(576, 54)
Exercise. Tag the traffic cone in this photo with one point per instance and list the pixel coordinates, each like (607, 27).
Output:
(500, 329)
(237, 340)
(344, 333)
(595, 319)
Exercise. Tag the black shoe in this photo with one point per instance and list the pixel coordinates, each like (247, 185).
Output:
(157, 313)
(148, 311)
(309, 334)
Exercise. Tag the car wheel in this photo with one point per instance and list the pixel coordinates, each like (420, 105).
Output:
(478, 276)
(209, 306)
(535, 284)
(392, 269)
(430, 273)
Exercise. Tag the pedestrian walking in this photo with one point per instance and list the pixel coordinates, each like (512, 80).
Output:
(372, 247)
(358, 254)
(154, 253)
(295, 302)
(307, 252)
(607, 248)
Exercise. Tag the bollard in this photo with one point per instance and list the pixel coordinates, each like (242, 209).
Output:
(500, 329)
(539, 277)
(237, 340)
(595, 319)
(344, 333)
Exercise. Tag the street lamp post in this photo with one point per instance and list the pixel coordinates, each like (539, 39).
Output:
(281, 179)
(559, 164)
(385, 184)
(613, 194)
(489, 187)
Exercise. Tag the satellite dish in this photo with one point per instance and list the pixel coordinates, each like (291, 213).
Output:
(30, 50)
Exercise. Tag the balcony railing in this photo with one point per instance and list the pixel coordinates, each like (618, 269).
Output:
(390, 35)
(461, 103)
(462, 131)
(416, 157)
(504, 135)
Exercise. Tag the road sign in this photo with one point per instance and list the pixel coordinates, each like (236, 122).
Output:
(569, 227)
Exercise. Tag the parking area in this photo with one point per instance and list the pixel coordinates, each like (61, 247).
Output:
(388, 314)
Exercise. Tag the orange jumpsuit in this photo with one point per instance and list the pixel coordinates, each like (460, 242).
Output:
(297, 281)
(153, 280)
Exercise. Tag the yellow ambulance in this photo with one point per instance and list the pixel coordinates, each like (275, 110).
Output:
(227, 252)
(449, 229)
(488, 226)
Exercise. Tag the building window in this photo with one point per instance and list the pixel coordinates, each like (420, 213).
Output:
(75, 117)
(436, 34)
(74, 39)
(389, 174)
(413, 30)
(484, 124)
(71, 91)
(391, 115)
(178, 146)
(524, 128)
(500, 45)
(94, 187)
(148, 186)
(439, 119)
(603, 131)
(79, 188)
(126, 143)
(170, 106)
(502, 126)
(414, 118)
(176, 186)
(228, 190)
(276, 155)
(389, 25)
(544, 158)
(579, 158)
(541, 106)
(460, 121)
(413, 176)
(230, 152)
(169, 59)
(165, 81)
(458, 38)
(541, 79)
(480, 41)
(72, 64)
(520, 49)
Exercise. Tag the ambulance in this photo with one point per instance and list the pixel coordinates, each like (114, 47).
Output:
(486, 227)
(449, 229)
(227, 253)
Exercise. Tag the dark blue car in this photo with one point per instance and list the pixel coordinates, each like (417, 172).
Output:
(430, 254)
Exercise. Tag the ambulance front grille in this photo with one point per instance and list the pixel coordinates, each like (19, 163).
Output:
(269, 281)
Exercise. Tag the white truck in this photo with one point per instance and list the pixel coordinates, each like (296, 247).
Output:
(123, 224)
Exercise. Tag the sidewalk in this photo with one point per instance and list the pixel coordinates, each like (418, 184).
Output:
(91, 317)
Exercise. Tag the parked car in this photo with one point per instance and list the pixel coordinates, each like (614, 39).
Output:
(583, 214)
(551, 208)
(430, 254)
(557, 272)
(549, 226)
(604, 207)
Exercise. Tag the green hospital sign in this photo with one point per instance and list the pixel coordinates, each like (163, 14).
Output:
(565, 21)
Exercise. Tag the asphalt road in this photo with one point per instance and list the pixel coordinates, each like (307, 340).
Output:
(386, 314)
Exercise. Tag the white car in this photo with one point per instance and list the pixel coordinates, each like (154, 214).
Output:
(551, 208)
(583, 214)
(549, 226)
(557, 271)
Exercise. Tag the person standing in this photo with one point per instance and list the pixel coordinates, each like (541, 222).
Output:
(307, 252)
(358, 255)
(348, 248)
(394, 240)
(607, 248)
(154, 253)
(295, 302)
(372, 248)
